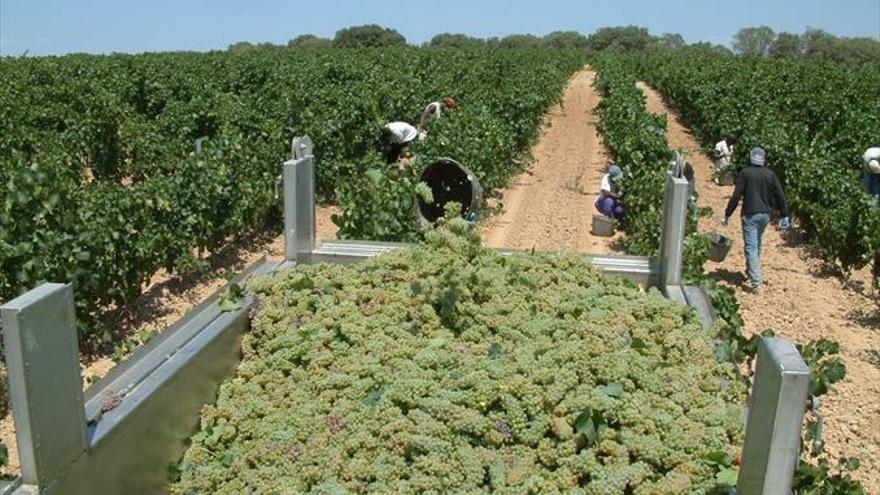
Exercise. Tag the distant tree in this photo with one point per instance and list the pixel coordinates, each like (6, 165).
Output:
(820, 45)
(368, 36)
(709, 48)
(785, 45)
(309, 41)
(520, 41)
(268, 46)
(241, 46)
(455, 40)
(859, 50)
(623, 38)
(753, 40)
(671, 40)
(565, 39)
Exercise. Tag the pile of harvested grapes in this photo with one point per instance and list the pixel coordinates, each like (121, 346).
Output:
(448, 367)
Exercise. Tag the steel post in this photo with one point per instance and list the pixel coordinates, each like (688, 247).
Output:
(299, 202)
(45, 385)
(776, 414)
(675, 203)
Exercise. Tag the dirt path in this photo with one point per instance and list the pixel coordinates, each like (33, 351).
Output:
(551, 207)
(802, 301)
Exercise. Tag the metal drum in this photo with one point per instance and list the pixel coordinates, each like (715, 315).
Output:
(449, 181)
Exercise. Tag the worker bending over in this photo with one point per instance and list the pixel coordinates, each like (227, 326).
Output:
(610, 193)
(395, 137)
(435, 111)
(871, 171)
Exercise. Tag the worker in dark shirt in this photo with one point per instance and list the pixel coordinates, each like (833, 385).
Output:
(760, 190)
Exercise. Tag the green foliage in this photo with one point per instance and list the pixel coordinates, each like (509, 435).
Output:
(231, 298)
(368, 36)
(448, 367)
(309, 41)
(786, 45)
(620, 38)
(637, 140)
(753, 40)
(520, 41)
(823, 46)
(377, 202)
(449, 40)
(565, 39)
(826, 368)
(814, 119)
(823, 479)
(112, 168)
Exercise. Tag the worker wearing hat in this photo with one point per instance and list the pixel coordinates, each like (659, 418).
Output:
(610, 193)
(760, 190)
(871, 171)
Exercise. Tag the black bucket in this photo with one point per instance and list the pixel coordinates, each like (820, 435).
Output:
(449, 181)
(719, 247)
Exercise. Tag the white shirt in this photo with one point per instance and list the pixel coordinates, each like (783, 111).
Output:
(401, 132)
(606, 183)
(725, 153)
(432, 111)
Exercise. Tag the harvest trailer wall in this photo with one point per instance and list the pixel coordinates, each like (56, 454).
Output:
(129, 428)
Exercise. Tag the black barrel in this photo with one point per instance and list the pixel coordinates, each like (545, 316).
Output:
(449, 181)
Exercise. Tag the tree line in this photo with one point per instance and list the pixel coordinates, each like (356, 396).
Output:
(622, 38)
(756, 41)
(813, 43)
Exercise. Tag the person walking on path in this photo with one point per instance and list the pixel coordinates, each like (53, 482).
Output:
(609, 201)
(871, 171)
(760, 190)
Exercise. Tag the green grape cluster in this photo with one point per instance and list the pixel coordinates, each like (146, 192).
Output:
(450, 368)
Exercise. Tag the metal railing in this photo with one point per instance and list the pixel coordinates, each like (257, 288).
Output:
(125, 431)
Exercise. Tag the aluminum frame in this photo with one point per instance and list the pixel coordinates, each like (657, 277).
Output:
(155, 396)
(776, 415)
(45, 386)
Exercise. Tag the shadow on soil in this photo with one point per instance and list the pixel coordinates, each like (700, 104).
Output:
(871, 357)
(153, 303)
(733, 278)
(868, 318)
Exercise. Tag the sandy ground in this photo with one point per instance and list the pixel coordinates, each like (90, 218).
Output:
(803, 300)
(168, 297)
(551, 207)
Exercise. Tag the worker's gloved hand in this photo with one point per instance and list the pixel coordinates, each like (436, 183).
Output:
(725, 221)
(785, 223)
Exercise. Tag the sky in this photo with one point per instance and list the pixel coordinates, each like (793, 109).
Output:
(51, 27)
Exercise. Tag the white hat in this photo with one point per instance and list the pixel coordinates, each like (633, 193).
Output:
(874, 166)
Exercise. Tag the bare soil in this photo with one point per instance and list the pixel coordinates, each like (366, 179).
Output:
(550, 208)
(803, 300)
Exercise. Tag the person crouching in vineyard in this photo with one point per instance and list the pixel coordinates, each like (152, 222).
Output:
(760, 190)
(395, 137)
(871, 172)
(435, 111)
(723, 155)
(610, 194)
